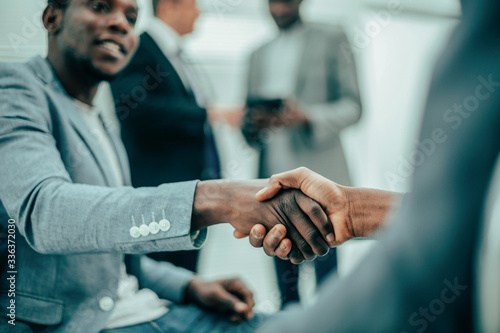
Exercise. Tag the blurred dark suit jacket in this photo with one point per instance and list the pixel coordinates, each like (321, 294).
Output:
(162, 125)
(420, 278)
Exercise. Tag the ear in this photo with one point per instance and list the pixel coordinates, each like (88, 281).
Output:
(52, 19)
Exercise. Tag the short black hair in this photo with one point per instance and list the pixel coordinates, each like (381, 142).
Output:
(59, 4)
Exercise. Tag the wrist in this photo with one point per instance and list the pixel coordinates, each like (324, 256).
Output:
(367, 209)
(190, 292)
(208, 205)
(223, 201)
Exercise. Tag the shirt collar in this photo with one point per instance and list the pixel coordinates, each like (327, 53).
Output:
(91, 109)
(167, 39)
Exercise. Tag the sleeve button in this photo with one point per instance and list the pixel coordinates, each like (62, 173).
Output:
(106, 303)
(135, 232)
(164, 225)
(154, 227)
(144, 230)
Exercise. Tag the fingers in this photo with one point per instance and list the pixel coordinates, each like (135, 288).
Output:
(295, 256)
(257, 234)
(318, 216)
(239, 288)
(290, 179)
(274, 242)
(229, 303)
(301, 245)
(273, 239)
(284, 249)
(244, 302)
(269, 191)
(311, 242)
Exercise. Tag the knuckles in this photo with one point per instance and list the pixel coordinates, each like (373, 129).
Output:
(316, 210)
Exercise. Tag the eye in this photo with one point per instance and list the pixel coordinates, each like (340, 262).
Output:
(131, 19)
(100, 7)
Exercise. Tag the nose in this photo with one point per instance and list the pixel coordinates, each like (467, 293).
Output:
(118, 22)
(278, 9)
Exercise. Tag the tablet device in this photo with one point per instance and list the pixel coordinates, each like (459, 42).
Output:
(271, 104)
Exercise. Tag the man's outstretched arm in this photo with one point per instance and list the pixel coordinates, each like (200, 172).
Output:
(57, 212)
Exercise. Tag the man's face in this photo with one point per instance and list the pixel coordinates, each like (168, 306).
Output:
(97, 36)
(284, 12)
(182, 15)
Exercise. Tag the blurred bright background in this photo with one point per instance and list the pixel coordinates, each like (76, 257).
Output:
(396, 44)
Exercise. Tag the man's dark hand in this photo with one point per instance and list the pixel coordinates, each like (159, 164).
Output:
(230, 296)
(263, 118)
(306, 223)
(251, 127)
(257, 119)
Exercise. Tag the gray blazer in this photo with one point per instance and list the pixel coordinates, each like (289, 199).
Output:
(327, 86)
(72, 228)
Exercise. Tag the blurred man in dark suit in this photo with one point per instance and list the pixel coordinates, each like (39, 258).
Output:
(304, 66)
(160, 104)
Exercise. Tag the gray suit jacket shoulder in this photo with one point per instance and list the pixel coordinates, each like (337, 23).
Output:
(72, 228)
(326, 85)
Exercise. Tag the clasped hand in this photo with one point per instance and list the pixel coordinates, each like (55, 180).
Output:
(336, 212)
(322, 217)
(302, 219)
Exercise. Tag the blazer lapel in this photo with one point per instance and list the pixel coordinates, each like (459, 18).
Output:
(163, 61)
(82, 129)
(43, 70)
(120, 152)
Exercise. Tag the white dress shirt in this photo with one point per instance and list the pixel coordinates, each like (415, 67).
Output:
(281, 69)
(94, 120)
(282, 60)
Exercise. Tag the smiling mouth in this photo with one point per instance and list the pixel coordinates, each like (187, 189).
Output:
(112, 46)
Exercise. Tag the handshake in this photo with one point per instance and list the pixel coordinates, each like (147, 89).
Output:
(296, 215)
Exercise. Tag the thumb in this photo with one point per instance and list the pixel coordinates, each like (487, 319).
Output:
(276, 184)
(269, 191)
(290, 179)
